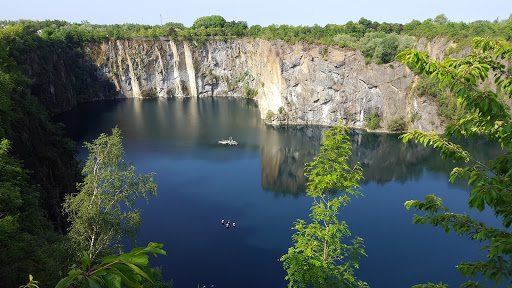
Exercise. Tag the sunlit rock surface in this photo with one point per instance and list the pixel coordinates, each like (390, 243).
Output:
(300, 83)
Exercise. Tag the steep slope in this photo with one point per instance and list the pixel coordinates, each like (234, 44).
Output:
(300, 83)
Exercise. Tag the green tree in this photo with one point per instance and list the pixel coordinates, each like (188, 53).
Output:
(387, 50)
(373, 120)
(214, 21)
(366, 23)
(441, 19)
(321, 256)
(490, 180)
(22, 225)
(12, 81)
(369, 43)
(384, 28)
(344, 40)
(96, 215)
(354, 29)
(254, 30)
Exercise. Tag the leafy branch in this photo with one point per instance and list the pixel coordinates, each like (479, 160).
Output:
(489, 180)
(320, 256)
(127, 268)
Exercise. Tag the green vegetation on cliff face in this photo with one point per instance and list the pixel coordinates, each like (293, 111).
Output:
(29, 199)
(449, 111)
(21, 221)
(26, 124)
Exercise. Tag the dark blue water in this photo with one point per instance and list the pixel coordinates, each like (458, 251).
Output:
(259, 184)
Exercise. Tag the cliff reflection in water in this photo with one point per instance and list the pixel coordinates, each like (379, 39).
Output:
(383, 157)
(284, 151)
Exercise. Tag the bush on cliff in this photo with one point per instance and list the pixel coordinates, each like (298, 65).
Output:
(373, 120)
(397, 124)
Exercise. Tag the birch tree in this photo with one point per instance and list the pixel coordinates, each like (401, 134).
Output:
(103, 209)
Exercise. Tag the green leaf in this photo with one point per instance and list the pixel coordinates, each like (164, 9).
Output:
(139, 271)
(86, 261)
(112, 280)
(65, 282)
(408, 204)
(138, 259)
(100, 272)
(110, 259)
(126, 275)
(92, 283)
(155, 251)
(74, 272)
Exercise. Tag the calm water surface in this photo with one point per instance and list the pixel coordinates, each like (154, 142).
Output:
(259, 184)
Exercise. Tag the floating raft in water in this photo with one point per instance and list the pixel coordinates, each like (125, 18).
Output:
(229, 142)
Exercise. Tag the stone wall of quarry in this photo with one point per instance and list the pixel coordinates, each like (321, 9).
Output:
(300, 83)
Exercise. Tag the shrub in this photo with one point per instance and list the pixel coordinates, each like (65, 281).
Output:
(184, 88)
(373, 120)
(241, 77)
(382, 48)
(387, 49)
(397, 124)
(270, 115)
(148, 93)
(324, 51)
(249, 92)
(414, 116)
(345, 40)
(449, 111)
(280, 110)
(428, 87)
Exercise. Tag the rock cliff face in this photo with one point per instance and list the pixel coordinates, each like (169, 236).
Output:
(300, 84)
(62, 77)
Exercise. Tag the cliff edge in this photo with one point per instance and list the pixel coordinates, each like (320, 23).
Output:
(299, 84)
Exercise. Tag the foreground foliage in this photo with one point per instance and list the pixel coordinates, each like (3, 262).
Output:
(98, 219)
(129, 269)
(490, 180)
(320, 256)
(21, 221)
(28, 244)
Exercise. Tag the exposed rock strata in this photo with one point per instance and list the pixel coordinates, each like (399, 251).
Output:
(313, 84)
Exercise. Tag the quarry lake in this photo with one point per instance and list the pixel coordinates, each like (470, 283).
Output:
(260, 185)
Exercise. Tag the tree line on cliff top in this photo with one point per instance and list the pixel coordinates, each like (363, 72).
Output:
(379, 42)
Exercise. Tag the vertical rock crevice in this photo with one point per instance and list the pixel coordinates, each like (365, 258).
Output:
(300, 83)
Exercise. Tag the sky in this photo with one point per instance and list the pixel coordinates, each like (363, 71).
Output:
(262, 12)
